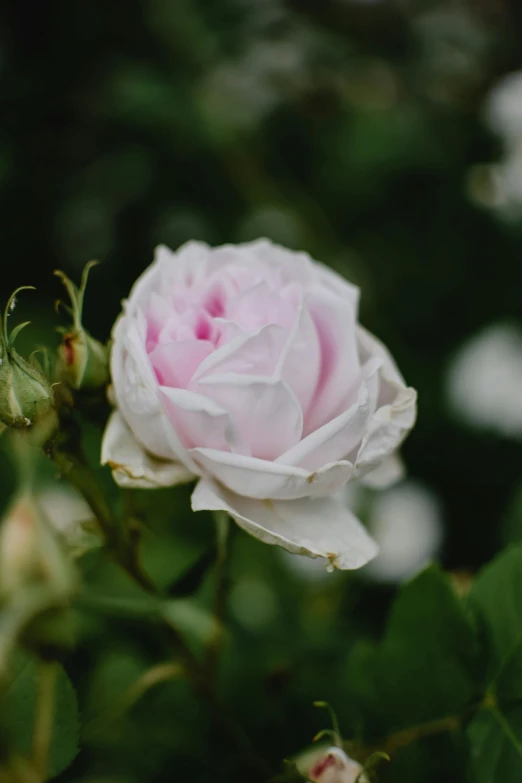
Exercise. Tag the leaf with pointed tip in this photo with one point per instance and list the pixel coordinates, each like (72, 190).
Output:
(191, 579)
(495, 734)
(20, 710)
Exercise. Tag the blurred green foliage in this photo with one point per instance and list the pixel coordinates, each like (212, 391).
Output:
(347, 128)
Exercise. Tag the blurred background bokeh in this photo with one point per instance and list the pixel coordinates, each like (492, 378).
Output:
(382, 136)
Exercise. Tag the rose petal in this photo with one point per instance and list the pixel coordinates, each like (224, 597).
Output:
(198, 419)
(300, 360)
(137, 396)
(320, 527)
(262, 479)
(175, 363)
(397, 409)
(251, 353)
(386, 431)
(389, 472)
(335, 440)
(337, 284)
(335, 321)
(258, 306)
(264, 410)
(131, 466)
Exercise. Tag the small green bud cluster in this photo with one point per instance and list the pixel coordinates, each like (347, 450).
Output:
(83, 361)
(26, 394)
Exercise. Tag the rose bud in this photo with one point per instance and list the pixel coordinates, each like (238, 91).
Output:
(331, 765)
(83, 360)
(25, 393)
(244, 367)
(32, 555)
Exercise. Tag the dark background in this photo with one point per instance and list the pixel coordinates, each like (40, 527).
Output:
(347, 128)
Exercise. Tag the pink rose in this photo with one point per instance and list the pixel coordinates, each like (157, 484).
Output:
(244, 366)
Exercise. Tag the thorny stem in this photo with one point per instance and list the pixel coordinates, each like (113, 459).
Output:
(43, 727)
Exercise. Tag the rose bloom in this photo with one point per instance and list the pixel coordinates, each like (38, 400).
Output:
(244, 366)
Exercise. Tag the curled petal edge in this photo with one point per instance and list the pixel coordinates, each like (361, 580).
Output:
(316, 527)
(132, 467)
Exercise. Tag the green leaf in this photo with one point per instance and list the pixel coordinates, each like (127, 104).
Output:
(425, 668)
(495, 735)
(193, 621)
(496, 600)
(495, 738)
(20, 710)
(191, 579)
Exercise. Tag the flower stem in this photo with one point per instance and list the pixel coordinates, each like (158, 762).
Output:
(120, 542)
(43, 727)
(223, 546)
(404, 737)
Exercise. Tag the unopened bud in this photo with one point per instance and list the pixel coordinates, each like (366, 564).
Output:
(26, 395)
(331, 765)
(31, 554)
(84, 362)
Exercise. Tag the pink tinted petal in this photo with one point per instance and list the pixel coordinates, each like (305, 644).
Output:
(176, 363)
(293, 266)
(335, 440)
(300, 361)
(265, 411)
(198, 420)
(215, 300)
(259, 306)
(226, 331)
(334, 320)
(255, 353)
(136, 392)
(156, 313)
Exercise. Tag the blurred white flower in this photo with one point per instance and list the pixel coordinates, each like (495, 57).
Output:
(238, 94)
(503, 109)
(70, 516)
(484, 381)
(499, 185)
(406, 522)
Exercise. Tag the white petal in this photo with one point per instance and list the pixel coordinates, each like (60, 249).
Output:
(253, 353)
(389, 472)
(198, 419)
(396, 412)
(371, 347)
(300, 360)
(386, 431)
(320, 527)
(335, 321)
(131, 465)
(337, 284)
(265, 411)
(335, 440)
(264, 479)
(137, 393)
